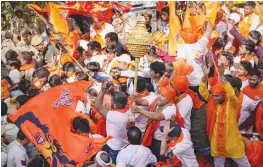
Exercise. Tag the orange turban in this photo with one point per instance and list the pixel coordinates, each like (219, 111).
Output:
(218, 89)
(4, 89)
(168, 93)
(189, 35)
(164, 82)
(180, 83)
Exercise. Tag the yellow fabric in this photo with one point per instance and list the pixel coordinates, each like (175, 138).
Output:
(187, 23)
(244, 26)
(211, 10)
(259, 11)
(234, 145)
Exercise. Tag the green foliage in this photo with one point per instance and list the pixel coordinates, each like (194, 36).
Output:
(7, 8)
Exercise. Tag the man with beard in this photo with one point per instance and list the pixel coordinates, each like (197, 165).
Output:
(255, 88)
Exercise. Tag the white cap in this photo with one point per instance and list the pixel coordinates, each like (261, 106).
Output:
(100, 161)
(124, 58)
(235, 17)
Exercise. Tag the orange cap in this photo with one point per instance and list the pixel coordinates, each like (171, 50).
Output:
(189, 35)
(168, 93)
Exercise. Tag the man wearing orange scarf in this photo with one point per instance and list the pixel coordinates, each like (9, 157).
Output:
(180, 145)
(223, 133)
(162, 110)
(116, 119)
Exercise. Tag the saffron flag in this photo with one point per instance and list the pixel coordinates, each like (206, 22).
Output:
(211, 10)
(174, 32)
(46, 120)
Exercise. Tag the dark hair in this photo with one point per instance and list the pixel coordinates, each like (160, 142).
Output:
(68, 66)
(93, 66)
(94, 45)
(166, 10)
(219, 43)
(81, 124)
(11, 55)
(26, 32)
(105, 157)
(235, 82)
(111, 49)
(22, 99)
(32, 92)
(113, 36)
(251, 4)
(15, 63)
(3, 108)
(120, 99)
(80, 49)
(41, 73)
(92, 92)
(158, 67)
(256, 36)
(134, 135)
(38, 161)
(20, 135)
(81, 76)
(24, 85)
(260, 66)
(176, 132)
(247, 66)
(255, 72)
(3, 16)
(27, 56)
(55, 80)
(141, 84)
(152, 52)
(250, 45)
(8, 79)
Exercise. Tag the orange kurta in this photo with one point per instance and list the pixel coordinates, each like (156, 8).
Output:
(254, 93)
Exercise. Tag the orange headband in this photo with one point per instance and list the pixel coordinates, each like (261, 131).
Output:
(218, 89)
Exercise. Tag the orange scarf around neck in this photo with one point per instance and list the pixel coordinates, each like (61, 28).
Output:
(26, 67)
(143, 94)
(247, 58)
(221, 125)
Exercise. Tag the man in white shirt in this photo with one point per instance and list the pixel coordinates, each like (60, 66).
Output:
(135, 154)
(16, 152)
(193, 54)
(180, 145)
(14, 73)
(99, 30)
(162, 110)
(116, 119)
(94, 50)
(246, 104)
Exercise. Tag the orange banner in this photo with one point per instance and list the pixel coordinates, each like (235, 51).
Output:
(46, 120)
(174, 31)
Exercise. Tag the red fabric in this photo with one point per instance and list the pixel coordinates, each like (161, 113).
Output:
(46, 121)
(259, 119)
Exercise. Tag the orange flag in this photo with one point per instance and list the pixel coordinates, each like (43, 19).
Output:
(211, 10)
(174, 31)
(54, 15)
(46, 120)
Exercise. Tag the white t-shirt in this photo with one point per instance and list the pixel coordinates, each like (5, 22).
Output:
(185, 152)
(194, 55)
(141, 120)
(255, 23)
(248, 106)
(97, 58)
(244, 84)
(15, 76)
(16, 155)
(136, 156)
(228, 71)
(185, 108)
(116, 124)
(168, 112)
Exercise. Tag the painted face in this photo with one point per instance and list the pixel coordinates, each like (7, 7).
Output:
(253, 81)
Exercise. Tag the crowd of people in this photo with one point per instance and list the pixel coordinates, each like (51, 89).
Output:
(203, 107)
